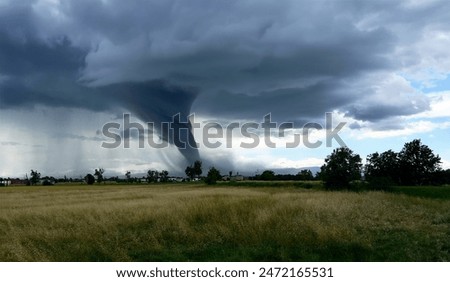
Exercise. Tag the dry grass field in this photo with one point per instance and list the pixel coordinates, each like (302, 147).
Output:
(195, 222)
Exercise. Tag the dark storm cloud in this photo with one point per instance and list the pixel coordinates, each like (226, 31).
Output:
(22, 52)
(45, 71)
(378, 112)
(298, 105)
(243, 53)
(26, 55)
(36, 70)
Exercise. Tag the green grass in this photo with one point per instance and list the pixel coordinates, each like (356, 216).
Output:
(272, 184)
(196, 222)
(431, 192)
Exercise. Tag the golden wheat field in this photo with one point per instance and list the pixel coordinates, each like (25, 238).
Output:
(195, 222)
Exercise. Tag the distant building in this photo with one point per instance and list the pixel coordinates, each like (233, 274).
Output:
(47, 182)
(18, 181)
(175, 179)
(237, 178)
(233, 178)
(5, 182)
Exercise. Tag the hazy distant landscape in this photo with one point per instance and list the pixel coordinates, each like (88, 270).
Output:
(245, 221)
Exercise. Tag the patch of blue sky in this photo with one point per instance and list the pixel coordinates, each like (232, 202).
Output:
(435, 120)
(438, 83)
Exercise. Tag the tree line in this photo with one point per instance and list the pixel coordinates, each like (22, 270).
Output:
(152, 176)
(415, 164)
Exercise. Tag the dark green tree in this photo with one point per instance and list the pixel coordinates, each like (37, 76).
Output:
(441, 177)
(340, 168)
(268, 175)
(213, 176)
(90, 179)
(382, 168)
(164, 176)
(305, 174)
(190, 172)
(417, 163)
(128, 176)
(99, 174)
(152, 176)
(194, 170)
(35, 177)
(198, 168)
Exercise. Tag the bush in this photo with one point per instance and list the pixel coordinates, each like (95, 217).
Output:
(268, 175)
(358, 185)
(381, 183)
(90, 179)
(47, 183)
(305, 185)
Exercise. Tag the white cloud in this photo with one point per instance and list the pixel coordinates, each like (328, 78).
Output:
(439, 106)
(445, 164)
(409, 129)
(287, 163)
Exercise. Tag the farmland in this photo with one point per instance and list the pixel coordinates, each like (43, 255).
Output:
(194, 222)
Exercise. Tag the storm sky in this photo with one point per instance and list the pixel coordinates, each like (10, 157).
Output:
(69, 67)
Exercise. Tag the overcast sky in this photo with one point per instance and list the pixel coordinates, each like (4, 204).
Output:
(69, 67)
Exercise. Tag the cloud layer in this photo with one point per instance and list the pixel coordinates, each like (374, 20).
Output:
(224, 59)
